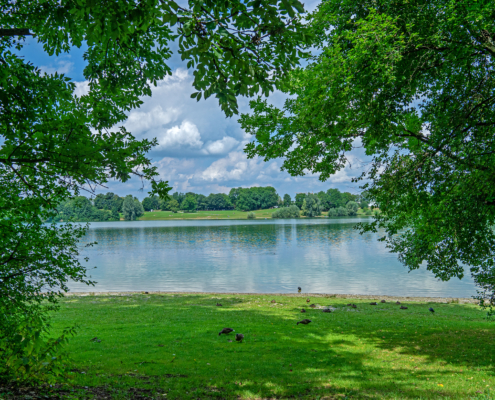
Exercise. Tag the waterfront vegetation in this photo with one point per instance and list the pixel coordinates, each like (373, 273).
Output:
(168, 344)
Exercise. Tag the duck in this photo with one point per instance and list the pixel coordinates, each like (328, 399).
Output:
(349, 305)
(383, 301)
(274, 301)
(304, 322)
(403, 307)
(312, 305)
(308, 300)
(303, 310)
(373, 303)
(431, 310)
(239, 337)
(299, 289)
(226, 331)
(327, 310)
(353, 306)
(397, 302)
(219, 305)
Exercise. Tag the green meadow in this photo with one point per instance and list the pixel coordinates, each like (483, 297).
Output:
(215, 214)
(166, 346)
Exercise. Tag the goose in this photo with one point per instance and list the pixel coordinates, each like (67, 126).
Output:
(226, 331)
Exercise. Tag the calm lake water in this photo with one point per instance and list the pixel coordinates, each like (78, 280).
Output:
(321, 256)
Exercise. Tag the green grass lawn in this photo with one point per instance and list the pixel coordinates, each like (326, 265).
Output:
(167, 347)
(231, 214)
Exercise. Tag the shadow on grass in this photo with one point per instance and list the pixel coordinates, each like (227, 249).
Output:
(375, 352)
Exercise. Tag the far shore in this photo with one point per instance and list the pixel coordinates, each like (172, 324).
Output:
(459, 300)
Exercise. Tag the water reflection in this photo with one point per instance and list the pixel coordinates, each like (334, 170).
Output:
(322, 256)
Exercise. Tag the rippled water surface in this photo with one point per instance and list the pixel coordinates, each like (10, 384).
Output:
(322, 256)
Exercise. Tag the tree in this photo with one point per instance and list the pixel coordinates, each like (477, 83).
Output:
(202, 203)
(189, 204)
(151, 203)
(352, 208)
(311, 206)
(324, 201)
(287, 200)
(54, 143)
(132, 208)
(300, 199)
(172, 205)
(414, 84)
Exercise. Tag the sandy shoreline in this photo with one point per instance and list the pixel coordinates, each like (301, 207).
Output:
(302, 295)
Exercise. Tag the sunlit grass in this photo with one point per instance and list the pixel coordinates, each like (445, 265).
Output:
(373, 352)
(231, 214)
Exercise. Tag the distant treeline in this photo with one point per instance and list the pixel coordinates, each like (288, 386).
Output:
(110, 207)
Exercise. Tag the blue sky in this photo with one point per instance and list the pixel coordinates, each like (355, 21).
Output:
(199, 149)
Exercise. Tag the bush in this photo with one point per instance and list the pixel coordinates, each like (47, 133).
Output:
(332, 212)
(368, 212)
(251, 215)
(342, 212)
(27, 355)
(287, 212)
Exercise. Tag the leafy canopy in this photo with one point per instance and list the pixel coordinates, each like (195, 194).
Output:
(412, 82)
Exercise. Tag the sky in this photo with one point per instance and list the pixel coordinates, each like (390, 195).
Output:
(199, 149)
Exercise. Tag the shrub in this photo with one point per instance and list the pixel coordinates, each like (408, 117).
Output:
(342, 212)
(28, 355)
(251, 215)
(332, 212)
(287, 212)
(368, 212)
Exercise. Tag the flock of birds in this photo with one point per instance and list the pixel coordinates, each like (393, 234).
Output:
(239, 336)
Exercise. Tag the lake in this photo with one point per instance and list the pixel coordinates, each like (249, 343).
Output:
(262, 256)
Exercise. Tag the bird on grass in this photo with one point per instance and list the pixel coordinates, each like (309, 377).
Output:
(95, 339)
(274, 301)
(303, 310)
(403, 307)
(308, 300)
(225, 331)
(313, 305)
(431, 310)
(349, 305)
(353, 306)
(383, 301)
(299, 289)
(304, 322)
(373, 303)
(219, 305)
(239, 337)
(397, 302)
(327, 310)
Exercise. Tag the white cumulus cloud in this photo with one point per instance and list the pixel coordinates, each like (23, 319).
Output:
(187, 134)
